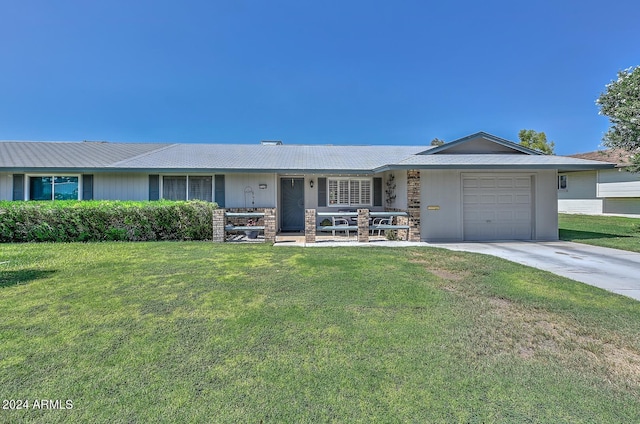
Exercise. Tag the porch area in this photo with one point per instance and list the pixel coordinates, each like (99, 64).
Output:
(361, 225)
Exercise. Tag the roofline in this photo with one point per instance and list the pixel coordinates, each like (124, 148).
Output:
(567, 167)
(388, 167)
(186, 170)
(491, 137)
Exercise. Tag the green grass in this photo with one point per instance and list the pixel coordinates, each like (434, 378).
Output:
(200, 332)
(606, 231)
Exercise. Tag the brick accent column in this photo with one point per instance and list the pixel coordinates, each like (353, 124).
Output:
(218, 225)
(363, 225)
(413, 204)
(402, 234)
(270, 225)
(310, 225)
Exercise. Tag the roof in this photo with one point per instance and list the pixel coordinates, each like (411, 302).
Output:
(514, 147)
(620, 157)
(500, 161)
(241, 157)
(181, 157)
(155, 157)
(91, 154)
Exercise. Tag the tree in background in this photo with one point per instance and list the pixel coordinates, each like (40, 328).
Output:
(536, 141)
(621, 103)
(437, 142)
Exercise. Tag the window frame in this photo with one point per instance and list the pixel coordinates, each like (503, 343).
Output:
(338, 184)
(187, 176)
(27, 185)
(566, 182)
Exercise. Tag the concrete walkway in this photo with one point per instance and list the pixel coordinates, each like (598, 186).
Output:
(617, 271)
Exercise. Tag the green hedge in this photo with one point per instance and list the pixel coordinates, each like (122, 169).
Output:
(104, 220)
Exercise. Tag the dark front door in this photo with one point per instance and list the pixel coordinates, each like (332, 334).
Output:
(292, 204)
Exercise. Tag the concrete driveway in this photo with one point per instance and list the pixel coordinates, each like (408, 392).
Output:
(614, 270)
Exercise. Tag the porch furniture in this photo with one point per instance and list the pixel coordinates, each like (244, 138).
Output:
(245, 228)
(340, 221)
(378, 223)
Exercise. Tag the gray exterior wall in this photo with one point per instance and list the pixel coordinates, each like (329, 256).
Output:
(311, 194)
(580, 194)
(580, 185)
(480, 146)
(596, 192)
(236, 184)
(620, 191)
(546, 205)
(120, 186)
(581, 206)
(400, 180)
(443, 189)
(622, 206)
(6, 186)
(618, 183)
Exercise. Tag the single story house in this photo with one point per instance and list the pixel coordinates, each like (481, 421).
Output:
(603, 190)
(479, 187)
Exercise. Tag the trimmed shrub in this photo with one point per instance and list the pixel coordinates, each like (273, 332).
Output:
(105, 220)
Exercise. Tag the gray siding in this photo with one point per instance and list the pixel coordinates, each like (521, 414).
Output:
(581, 206)
(480, 146)
(401, 190)
(580, 194)
(117, 186)
(546, 207)
(618, 183)
(580, 185)
(6, 186)
(236, 184)
(442, 189)
(622, 206)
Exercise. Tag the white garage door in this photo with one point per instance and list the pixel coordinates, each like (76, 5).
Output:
(497, 207)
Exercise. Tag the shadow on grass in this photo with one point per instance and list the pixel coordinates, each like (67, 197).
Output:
(13, 278)
(570, 235)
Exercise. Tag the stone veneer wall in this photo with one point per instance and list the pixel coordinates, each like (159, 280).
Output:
(363, 225)
(413, 204)
(218, 225)
(310, 225)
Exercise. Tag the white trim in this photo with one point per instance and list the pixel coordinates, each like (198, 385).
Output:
(27, 184)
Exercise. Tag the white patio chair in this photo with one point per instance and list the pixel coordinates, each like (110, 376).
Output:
(337, 221)
(380, 221)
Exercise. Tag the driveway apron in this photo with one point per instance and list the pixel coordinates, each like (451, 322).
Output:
(617, 271)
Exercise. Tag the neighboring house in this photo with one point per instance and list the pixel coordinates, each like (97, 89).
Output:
(479, 187)
(600, 191)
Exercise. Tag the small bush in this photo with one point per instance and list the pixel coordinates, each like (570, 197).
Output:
(104, 220)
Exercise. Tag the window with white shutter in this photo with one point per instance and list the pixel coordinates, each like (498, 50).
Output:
(349, 192)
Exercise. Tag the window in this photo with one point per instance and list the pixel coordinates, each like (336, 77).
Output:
(187, 188)
(349, 191)
(53, 188)
(562, 182)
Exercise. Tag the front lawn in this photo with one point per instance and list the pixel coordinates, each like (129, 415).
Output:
(201, 332)
(606, 231)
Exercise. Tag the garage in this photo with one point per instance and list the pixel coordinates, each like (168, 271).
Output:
(497, 207)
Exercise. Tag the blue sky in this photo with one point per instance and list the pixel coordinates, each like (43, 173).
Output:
(308, 72)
